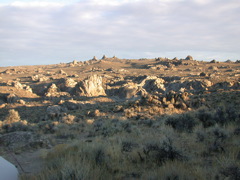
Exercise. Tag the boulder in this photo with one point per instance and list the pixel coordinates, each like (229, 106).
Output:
(70, 83)
(28, 88)
(154, 85)
(189, 85)
(189, 58)
(151, 83)
(53, 112)
(2, 104)
(43, 78)
(39, 78)
(12, 98)
(104, 57)
(203, 74)
(17, 85)
(67, 84)
(91, 86)
(35, 77)
(207, 83)
(213, 67)
(128, 91)
(75, 62)
(213, 61)
(53, 89)
(62, 72)
(94, 58)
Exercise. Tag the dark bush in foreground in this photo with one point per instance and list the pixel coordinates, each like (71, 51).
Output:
(162, 151)
(225, 115)
(182, 122)
(206, 117)
(232, 172)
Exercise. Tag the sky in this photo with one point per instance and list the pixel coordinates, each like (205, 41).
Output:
(58, 31)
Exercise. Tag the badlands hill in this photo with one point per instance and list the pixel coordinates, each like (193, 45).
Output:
(122, 119)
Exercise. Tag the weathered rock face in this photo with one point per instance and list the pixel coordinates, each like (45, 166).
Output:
(35, 77)
(28, 88)
(54, 91)
(17, 85)
(194, 86)
(12, 98)
(39, 78)
(154, 84)
(94, 58)
(128, 91)
(207, 83)
(75, 62)
(139, 86)
(104, 57)
(62, 72)
(70, 83)
(91, 86)
(67, 84)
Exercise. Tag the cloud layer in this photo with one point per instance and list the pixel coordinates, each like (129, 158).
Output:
(49, 32)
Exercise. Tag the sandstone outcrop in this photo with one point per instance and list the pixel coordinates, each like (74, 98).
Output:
(12, 98)
(91, 86)
(54, 91)
(67, 84)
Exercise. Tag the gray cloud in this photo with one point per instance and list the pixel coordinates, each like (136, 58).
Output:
(51, 33)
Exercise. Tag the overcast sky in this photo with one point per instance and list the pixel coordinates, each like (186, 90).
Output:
(54, 31)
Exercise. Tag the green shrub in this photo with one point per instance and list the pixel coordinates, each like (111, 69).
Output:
(110, 127)
(182, 122)
(215, 140)
(81, 161)
(206, 117)
(225, 115)
(160, 152)
(175, 170)
(17, 126)
(232, 172)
